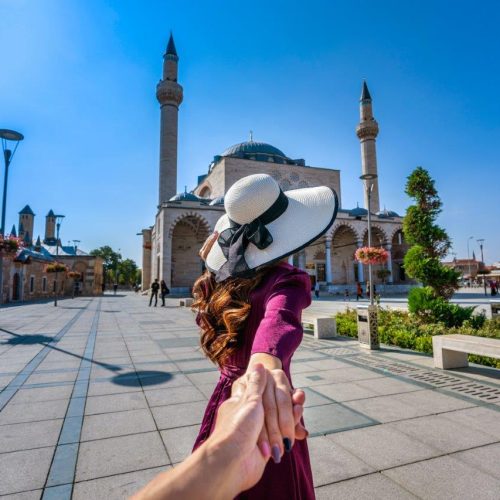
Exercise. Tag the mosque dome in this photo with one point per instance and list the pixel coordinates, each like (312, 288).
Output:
(217, 201)
(385, 214)
(358, 212)
(185, 197)
(250, 148)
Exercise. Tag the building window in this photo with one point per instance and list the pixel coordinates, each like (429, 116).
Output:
(44, 284)
(32, 284)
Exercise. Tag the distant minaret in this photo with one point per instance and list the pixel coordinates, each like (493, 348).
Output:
(367, 131)
(50, 228)
(26, 223)
(169, 95)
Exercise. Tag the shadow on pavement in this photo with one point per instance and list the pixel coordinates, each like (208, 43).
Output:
(26, 339)
(141, 378)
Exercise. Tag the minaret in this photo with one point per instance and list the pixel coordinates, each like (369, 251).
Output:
(367, 131)
(26, 223)
(169, 95)
(50, 228)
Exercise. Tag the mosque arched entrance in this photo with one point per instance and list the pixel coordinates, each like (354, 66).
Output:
(399, 249)
(188, 236)
(344, 269)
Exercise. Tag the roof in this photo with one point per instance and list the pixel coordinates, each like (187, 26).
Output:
(217, 201)
(387, 213)
(171, 46)
(184, 197)
(243, 149)
(26, 211)
(358, 212)
(63, 250)
(27, 253)
(365, 93)
(51, 213)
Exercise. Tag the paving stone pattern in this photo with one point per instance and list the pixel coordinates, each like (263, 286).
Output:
(99, 395)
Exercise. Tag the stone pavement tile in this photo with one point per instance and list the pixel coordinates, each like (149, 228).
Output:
(385, 408)
(315, 399)
(207, 389)
(382, 446)
(296, 368)
(117, 424)
(174, 395)
(332, 376)
(180, 415)
(117, 455)
(344, 391)
(372, 487)
(26, 495)
(193, 355)
(332, 417)
(115, 402)
(180, 441)
(24, 470)
(204, 377)
(485, 459)
(432, 401)
(14, 437)
(43, 378)
(484, 419)
(202, 364)
(327, 364)
(115, 487)
(331, 463)
(42, 394)
(98, 388)
(388, 385)
(445, 478)
(31, 412)
(442, 434)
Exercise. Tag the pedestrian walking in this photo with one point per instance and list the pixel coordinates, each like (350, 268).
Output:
(164, 292)
(154, 292)
(359, 291)
(115, 288)
(346, 295)
(316, 290)
(249, 304)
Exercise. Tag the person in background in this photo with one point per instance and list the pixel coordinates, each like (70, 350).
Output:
(316, 290)
(155, 286)
(164, 292)
(359, 291)
(115, 288)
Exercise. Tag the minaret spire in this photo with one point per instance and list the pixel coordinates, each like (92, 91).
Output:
(169, 94)
(367, 132)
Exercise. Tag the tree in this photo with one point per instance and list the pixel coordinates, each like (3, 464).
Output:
(430, 243)
(127, 270)
(111, 261)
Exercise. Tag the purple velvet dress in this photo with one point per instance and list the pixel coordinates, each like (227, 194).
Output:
(273, 327)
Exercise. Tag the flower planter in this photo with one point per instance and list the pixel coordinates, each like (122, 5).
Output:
(9, 246)
(56, 268)
(371, 255)
(74, 275)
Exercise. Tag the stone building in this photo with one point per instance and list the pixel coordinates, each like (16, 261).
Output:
(183, 221)
(25, 275)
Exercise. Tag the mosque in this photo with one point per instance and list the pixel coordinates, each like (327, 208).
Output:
(183, 221)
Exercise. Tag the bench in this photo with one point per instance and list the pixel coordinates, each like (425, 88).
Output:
(450, 351)
(186, 302)
(324, 327)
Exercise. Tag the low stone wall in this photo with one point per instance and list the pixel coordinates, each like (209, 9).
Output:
(382, 289)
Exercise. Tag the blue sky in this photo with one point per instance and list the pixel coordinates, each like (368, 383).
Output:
(78, 79)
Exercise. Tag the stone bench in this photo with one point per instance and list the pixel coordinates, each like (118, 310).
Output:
(324, 327)
(186, 302)
(450, 351)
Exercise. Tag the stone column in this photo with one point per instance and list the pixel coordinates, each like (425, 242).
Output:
(328, 261)
(390, 278)
(361, 277)
(302, 259)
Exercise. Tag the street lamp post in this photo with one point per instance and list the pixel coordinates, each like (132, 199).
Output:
(481, 242)
(59, 219)
(468, 259)
(15, 137)
(367, 316)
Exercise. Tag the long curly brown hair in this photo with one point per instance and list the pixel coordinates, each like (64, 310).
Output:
(223, 309)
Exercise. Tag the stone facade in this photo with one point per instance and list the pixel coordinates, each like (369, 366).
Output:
(184, 221)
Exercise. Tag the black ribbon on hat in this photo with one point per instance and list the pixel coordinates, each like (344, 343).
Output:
(234, 240)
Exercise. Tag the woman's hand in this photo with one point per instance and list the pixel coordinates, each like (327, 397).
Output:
(207, 246)
(283, 409)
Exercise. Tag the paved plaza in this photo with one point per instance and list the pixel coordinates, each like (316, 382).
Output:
(100, 394)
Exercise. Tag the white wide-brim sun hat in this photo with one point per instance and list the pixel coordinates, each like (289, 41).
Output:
(304, 216)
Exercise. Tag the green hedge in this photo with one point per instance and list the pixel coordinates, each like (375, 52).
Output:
(404, 330)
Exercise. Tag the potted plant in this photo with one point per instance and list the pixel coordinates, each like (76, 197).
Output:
(371, 255)
(73, 274)
(55, 267)
(9, 245)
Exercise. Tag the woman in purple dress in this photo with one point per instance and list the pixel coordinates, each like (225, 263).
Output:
(249, 304)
